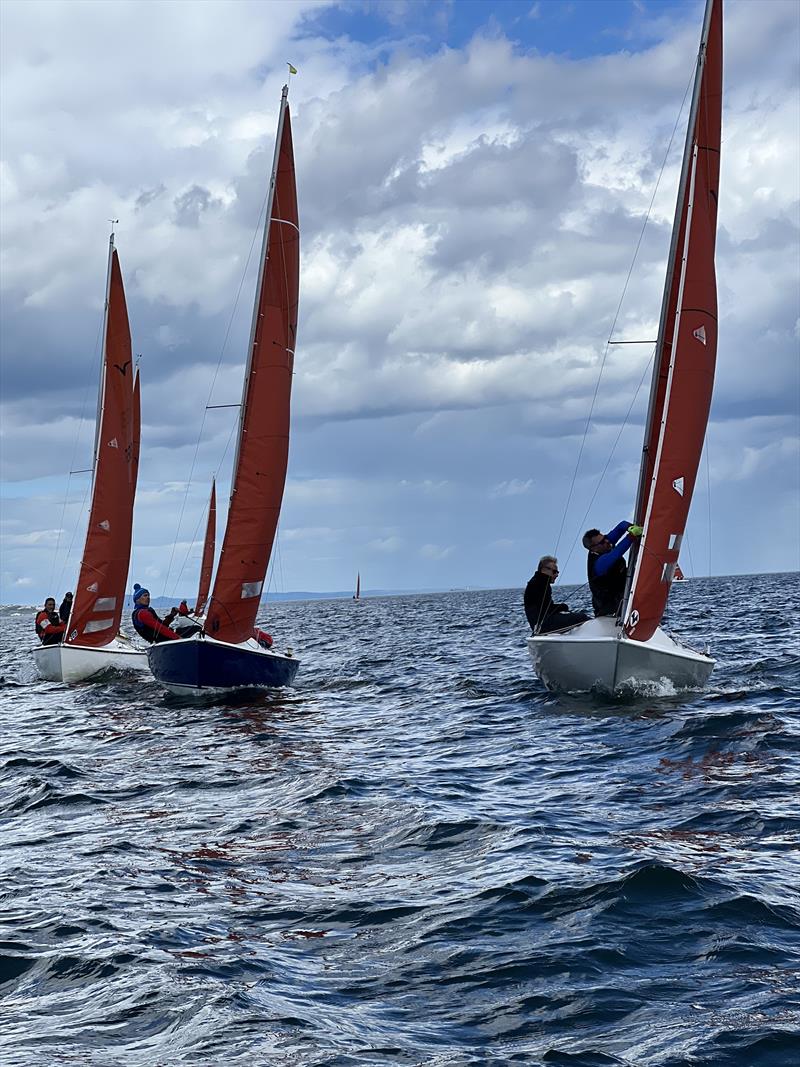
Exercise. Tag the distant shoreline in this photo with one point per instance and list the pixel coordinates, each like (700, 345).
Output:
(371, 594)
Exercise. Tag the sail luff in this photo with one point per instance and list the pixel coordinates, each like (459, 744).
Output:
(263, 447)
(662, 353)
(262, 266)
(209, 544)
(690, 338)
(99, 593)
(102, 377)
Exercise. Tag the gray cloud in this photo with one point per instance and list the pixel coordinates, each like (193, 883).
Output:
(469, 218)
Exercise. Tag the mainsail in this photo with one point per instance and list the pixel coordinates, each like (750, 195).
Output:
(263, 449)
(207, 564)
(99, 594)
(685, 358)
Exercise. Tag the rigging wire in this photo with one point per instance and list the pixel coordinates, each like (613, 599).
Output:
(78, 429)
(691, 561)
(611, 455)
(708, 495)
(195, 536)
(256, 232)
(614, 323)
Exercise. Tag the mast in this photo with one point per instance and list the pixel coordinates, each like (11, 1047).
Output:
(665, 344)
(100, 590)
(685, 351)
(262, 266)
(101, 385)
(262, 449)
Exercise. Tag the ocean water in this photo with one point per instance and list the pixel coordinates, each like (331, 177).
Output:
(416, 856)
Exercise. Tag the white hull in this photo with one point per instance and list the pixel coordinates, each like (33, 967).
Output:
(595, 655)
(75, 663)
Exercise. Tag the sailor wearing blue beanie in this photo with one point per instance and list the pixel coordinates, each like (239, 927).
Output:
(146, 622)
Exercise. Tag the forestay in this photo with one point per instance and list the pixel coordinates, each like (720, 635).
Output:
(686, 350)
(263, 449)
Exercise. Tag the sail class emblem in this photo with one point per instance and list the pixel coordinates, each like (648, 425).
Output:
(677, 485)
(700, 334)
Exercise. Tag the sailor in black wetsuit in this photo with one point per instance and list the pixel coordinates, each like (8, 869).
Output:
(542, 614)
(605, 566)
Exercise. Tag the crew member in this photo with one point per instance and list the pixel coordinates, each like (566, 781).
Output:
(49, 627)
(145, 621)
(184, 624)
(542, 614)
(605, 566)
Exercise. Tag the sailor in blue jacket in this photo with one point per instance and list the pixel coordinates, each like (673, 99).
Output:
(605, 566)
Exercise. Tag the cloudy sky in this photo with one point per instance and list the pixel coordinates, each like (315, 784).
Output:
(474, 180)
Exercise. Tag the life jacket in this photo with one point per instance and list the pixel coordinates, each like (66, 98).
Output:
(607, 589)
(49, 633)
(148, 625)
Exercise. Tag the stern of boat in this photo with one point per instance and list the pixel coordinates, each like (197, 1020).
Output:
(579, 659)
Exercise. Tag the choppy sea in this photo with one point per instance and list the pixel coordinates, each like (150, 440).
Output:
(416, 856)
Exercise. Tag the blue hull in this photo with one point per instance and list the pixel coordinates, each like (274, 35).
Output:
(202, 663)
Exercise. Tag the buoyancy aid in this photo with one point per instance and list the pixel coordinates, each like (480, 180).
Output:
(148, 625)
(49, 633)
(607, 589)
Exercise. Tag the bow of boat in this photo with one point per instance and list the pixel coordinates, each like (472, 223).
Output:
(77, 663)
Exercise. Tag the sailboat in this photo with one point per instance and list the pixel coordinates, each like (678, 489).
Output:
(92, 642)
(357, 594)
(679, 575)
(229, 653)
(209, 544)
(609, 653)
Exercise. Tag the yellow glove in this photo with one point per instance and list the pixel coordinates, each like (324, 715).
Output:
(636, 531)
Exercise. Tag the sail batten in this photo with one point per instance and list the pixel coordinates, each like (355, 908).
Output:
(686, 351)
(263, 444)
(106, 555)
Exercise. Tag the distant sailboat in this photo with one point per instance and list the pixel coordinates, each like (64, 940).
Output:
(609, 652)
(357, 595)
(92, 642)
(228, 653)
(679, 575)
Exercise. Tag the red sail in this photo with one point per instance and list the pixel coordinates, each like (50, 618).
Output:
(684, 375)
(263, 451)
(99, 594)
(207, 565)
